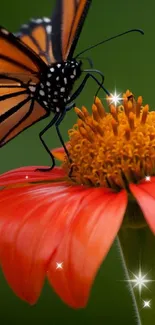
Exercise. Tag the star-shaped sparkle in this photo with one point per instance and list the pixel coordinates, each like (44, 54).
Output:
(59, 265)
(140, 280)
(115, 98)
(146, 303)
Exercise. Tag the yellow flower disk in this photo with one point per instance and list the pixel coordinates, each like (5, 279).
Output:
(112, 149)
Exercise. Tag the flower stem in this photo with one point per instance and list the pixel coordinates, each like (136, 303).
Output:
(129, 285)
(137, 250)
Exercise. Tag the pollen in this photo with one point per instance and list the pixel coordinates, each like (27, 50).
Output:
(114, 148)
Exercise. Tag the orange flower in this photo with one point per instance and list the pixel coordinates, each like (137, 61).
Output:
(61, 227)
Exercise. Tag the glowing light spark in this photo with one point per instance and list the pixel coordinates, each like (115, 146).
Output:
(146, 303)
(26, 177)
(140, 281)
(147, 178)
(59, 265)
(115, 99)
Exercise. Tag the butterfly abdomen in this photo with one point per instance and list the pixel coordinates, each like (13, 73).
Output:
(53, 91)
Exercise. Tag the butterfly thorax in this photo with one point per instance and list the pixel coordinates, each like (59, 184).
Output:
(53, 91)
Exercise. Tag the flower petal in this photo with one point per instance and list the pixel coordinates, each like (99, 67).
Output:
(59, 153)
(86, 244)
(29, 174)
(31, 227)
(145, 196)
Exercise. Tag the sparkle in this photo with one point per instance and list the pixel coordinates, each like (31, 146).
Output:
(146, 303)
(140, 281)
(26, 177)
(115, 99)
(147, 178)
(59, 265)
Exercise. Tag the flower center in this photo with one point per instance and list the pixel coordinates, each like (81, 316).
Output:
(112, 149)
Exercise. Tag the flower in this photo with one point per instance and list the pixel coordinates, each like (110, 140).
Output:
(71, 215)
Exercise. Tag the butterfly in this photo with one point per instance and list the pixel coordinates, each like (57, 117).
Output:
(38, 70)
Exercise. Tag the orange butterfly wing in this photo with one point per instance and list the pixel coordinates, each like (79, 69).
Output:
(55, 39)
(19, 65)
(37, 35)
(71, 20)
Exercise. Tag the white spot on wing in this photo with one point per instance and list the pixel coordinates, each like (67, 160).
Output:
(48, 83)
(25, 26)
(39, 21)
(32, 88)
(4, 31)
(57, 109)
(49, 29)
(58, 65)
(52, 69)
(65, 81)
(46, 20)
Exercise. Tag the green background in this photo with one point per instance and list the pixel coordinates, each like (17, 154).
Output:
(127, 63)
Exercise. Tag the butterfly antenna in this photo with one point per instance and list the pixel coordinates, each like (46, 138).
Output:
(109, 39)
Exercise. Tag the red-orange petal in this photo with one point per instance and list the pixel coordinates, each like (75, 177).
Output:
(145, 196)
(85, 245)
(59, 153)
(29, 174)
(31, 227)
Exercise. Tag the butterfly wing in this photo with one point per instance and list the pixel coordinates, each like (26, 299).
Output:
(37, 35)
(54, 40)
(19, 65)
(67, 22)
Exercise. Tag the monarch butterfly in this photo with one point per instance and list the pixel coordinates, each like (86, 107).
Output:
(38, 71)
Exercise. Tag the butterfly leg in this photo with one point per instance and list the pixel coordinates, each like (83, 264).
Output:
(57, 124)
(88, 75)
(45, 146)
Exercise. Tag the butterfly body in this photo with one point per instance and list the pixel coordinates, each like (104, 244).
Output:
(55, 86)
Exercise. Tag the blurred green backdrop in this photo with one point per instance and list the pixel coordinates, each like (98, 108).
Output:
(127, 63)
